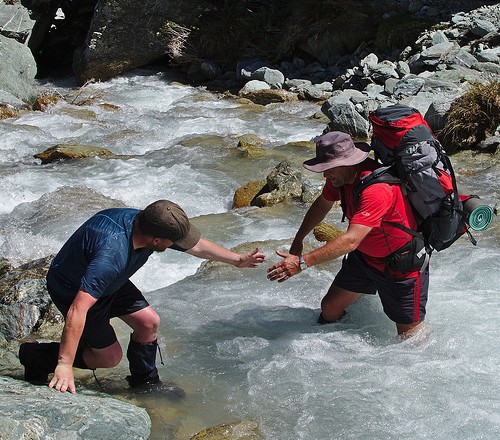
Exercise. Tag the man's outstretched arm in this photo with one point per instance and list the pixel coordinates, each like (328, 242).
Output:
(212, 251)
(339, 246)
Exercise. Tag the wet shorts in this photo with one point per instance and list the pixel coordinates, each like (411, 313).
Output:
(98, 332)
(403, 299)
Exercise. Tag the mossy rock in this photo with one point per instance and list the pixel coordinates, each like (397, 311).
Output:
(326, 232)
(7, 112)
(301, 144)
(59, 152)
(43, 103)
(245, 430)
(245, 194)
(249, 145)
(109, 107)
(264, 97)
(249, 140)
(5, 266)
(36, 269)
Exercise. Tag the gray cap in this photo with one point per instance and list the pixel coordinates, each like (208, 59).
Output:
(166, 219)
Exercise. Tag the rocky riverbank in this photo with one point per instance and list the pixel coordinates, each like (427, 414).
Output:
(429, 74)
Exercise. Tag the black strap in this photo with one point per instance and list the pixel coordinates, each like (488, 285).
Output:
(380, 175)
(343, 204)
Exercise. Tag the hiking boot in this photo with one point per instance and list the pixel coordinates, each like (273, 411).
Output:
(136, 380)
(153, 384)
(39, 360)
(142, 363)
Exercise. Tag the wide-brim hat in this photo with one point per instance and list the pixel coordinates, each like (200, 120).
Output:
(166, 219)
(336, 149)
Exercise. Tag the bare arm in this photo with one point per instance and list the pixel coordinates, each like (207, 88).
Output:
(212, 251)
(339, 246)
(63, 379)
(314, 215)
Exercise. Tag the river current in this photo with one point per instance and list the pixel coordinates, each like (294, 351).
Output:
(241, 347)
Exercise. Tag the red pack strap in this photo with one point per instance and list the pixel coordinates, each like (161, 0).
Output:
(417, 292)
(445, 180)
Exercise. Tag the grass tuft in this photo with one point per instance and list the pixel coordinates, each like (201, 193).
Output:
(472, 117)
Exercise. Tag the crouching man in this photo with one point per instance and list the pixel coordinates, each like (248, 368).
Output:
(89, 283)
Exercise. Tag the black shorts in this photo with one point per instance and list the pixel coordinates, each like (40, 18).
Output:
(403, 299)
(98, 332)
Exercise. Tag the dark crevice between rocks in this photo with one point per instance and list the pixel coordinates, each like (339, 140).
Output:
(61, 26)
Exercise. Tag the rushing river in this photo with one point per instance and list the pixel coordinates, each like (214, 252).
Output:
(241, 347)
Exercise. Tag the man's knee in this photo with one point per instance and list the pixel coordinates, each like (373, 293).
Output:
(335, 302)
(145, 324)
(151, 323)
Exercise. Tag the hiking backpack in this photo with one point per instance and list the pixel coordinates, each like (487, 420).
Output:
(412, 157)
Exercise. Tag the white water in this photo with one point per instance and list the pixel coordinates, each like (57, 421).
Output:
(241, 347)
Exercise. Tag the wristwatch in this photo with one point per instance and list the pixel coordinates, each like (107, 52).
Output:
(302, 263)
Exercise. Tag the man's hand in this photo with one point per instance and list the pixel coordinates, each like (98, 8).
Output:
(251, 259)
(63, 379)
(285, 269)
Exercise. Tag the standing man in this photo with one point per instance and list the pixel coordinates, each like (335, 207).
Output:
(89, 283)
(374, 246)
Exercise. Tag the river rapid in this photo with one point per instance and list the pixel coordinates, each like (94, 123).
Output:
(241, 347)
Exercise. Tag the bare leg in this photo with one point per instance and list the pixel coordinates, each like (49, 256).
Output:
(408, 330)
(145, 324)
(335, 302)
(107, 357)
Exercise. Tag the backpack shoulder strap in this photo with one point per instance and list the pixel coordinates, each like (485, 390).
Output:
(380, 175)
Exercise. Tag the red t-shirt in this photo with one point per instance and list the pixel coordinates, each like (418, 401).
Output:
(378, 204)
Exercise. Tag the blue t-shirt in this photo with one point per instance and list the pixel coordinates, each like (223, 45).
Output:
(99, 256)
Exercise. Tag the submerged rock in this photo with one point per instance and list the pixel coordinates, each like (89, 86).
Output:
(59, 152)
(245, 430)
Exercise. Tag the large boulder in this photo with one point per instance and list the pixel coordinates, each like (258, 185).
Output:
(345, 117)
(341, 37)
(268, 96)
(33, 412)
(126, 34)
(17, 72)
(15, 21)
(25, 305)
(244, 195)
